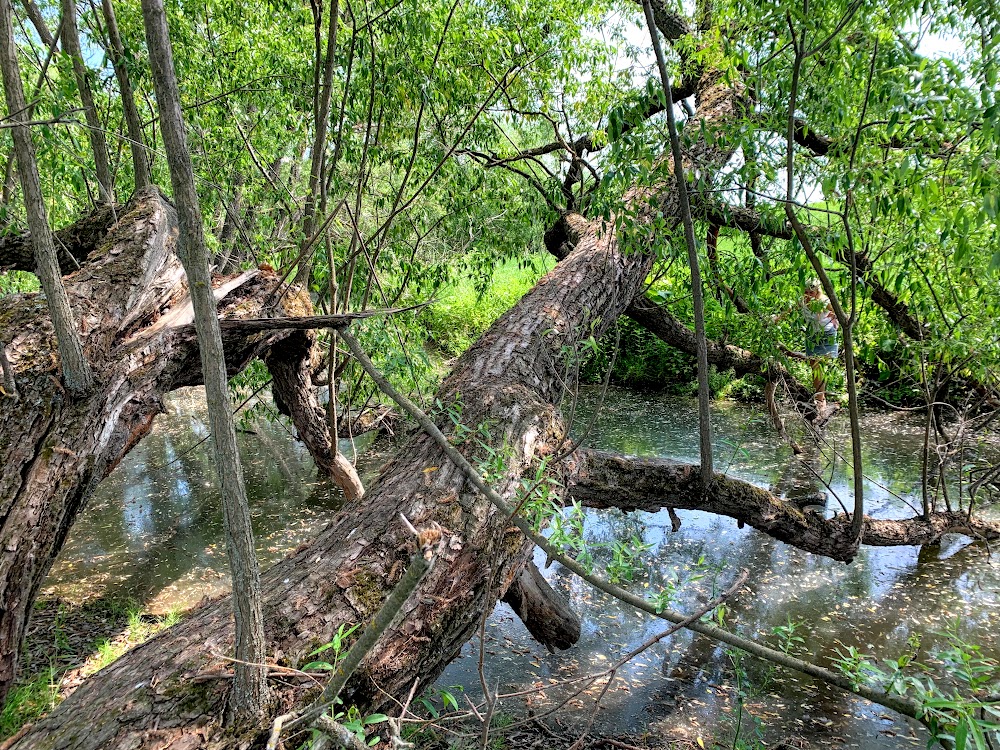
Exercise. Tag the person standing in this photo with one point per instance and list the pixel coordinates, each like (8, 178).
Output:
(821, 338)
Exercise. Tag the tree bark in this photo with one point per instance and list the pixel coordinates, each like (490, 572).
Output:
(249, 694)
(76, 370)
(600, 479)
(54, 451)
(294, 394)
(545, 614)
(73, 243)
(116, 51)
(38, 21)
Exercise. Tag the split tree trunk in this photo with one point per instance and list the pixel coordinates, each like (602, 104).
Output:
(131, 301)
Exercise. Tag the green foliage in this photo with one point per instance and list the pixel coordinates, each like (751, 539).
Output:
(963, 714)
(336, 646)
(18, 282)
(446, 697)
(466, 309)
(643, 361)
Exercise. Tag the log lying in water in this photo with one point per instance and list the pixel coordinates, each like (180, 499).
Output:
(547, 615)
(600, 479)
(505, 386)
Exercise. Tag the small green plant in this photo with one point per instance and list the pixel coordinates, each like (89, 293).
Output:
(788, 641)
(357, 724)
(336, 646)
(626, 557)
(445, 696)
(961, 718)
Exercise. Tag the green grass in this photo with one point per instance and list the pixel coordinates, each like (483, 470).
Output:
(29, 701)
(123, 625)
(140, 628)
(18, 282)
(461, 314)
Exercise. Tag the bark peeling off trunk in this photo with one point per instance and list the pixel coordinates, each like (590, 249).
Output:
(54, 451)
(609, 480)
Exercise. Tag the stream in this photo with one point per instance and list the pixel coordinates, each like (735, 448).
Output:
(153, 533)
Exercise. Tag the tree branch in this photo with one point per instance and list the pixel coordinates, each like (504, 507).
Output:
(602, 479)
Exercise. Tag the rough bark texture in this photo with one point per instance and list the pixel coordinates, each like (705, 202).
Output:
(75, 368)
(73, 243)
(608, 480)
(548, 616)
(248, 695)
(54, 451)
(294, 394)
(505, 384)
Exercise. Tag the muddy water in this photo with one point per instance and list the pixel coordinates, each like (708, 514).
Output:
(153, 533)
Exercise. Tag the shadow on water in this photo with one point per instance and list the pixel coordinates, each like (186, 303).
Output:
(687, 686)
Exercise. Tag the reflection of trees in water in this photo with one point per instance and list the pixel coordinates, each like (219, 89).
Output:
(870, 622)
(156, 521)
(880, 600)
(803, 480)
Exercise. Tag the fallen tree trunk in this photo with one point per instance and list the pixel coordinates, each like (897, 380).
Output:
(504, 386)
(599, 479)
(129, 299)
(508, 381)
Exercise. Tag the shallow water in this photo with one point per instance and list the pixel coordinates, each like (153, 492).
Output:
(687, 686)
(153, 532)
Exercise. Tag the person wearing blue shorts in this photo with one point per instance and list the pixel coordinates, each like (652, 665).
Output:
(822, 340)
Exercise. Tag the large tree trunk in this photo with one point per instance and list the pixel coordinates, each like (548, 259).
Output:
(132, 303)
(505, 386)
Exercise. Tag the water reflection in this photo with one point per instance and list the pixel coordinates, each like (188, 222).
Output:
(153, 530)
(685, 686)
